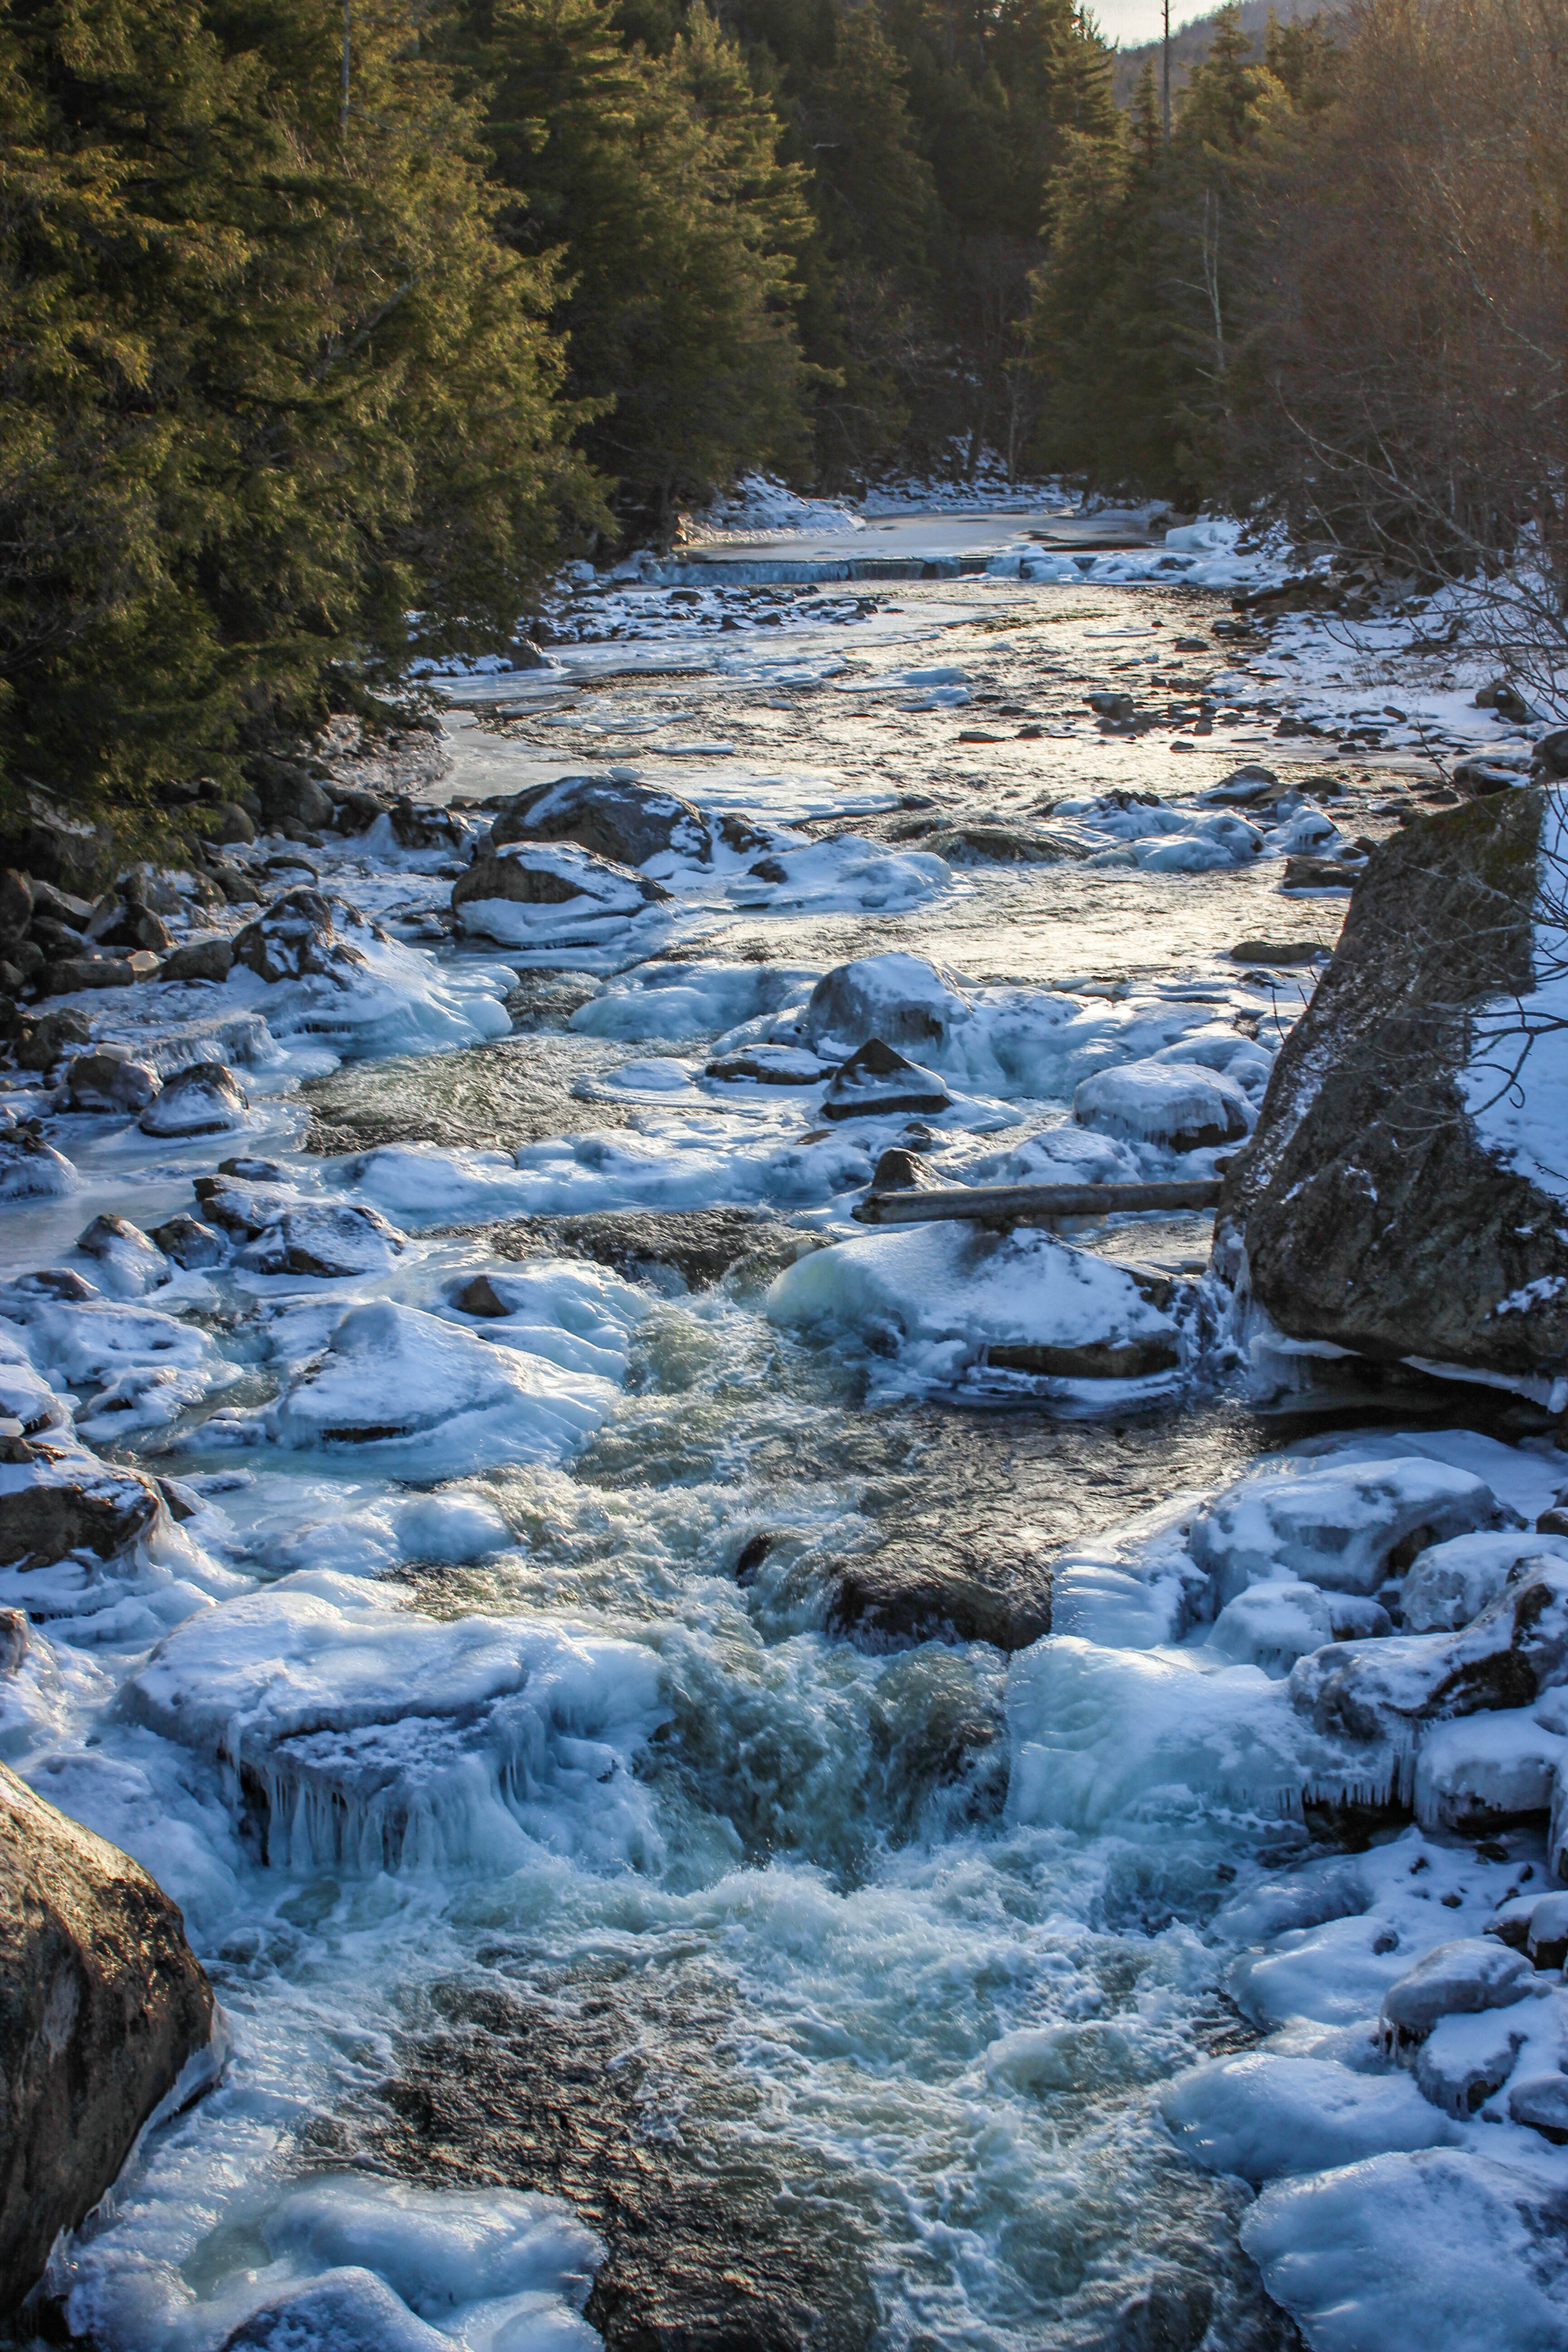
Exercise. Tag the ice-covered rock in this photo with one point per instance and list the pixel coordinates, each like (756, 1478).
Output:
(1458, 1978)
(128, 1263)
(878, 1082)
(900, 998)
(1265, 2115)
(1179, 1105)
(1541, 2101)
(557, 895)
(1337, 1525)
(1273, 1623)
(674, 999)
(1505, 1658)
(1467, 2056)
(347, 2309)
(439, 1398)
(31, 1169)
(297, 937)
(954, 1298)
(205, 1098)
(189, 1242)
(1407, 2251)
(366, 1737)
(56, 1498)
(108, 1080)
(325, 1239)
(612, 817)
(779, 1065)
(1487, 1771)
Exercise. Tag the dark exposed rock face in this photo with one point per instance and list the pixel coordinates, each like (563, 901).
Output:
(931, 1590)
(700, 1245)
(627, 822)
(1369, 1212)
(101, 2003)
(718, 2239)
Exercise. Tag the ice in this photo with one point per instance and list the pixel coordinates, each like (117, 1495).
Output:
(393, 1376)
(945, 1296)
(688, 999)
(1272, 1624)
(371, 1737)
(1097, 1732)
(1408, 2251)
(1265, 2116)
(846, 875)
(1502, 1764)
(578, 1317)
(1465, 2058)
(1335, 1527)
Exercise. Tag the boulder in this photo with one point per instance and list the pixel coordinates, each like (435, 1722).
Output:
(297, 937)
(1461, 1978)
(32, 1169)
(102, 2003)
(44, 1041)
(978, 842)
(230, 822)
(121, 919)
(589, 893)
(1450, 1583)
(1379, 1690)
(627, 822)
(58, 1499)
(900, 999)
(1367, 1211)
(1279, 951)
(189, 1242)
(210, 958)
(205, 1098)
(108, 1080)
(326, 1239)
(288, 793)
(770, 1066)
(926, 1592)
(1344, 1527)
(878, 1082)
(130, 1263)
(1181, 1106)
(238, 1207)
(72, 973)
(1467, 2056)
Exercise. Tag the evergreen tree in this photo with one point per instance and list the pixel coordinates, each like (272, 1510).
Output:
(267, 382)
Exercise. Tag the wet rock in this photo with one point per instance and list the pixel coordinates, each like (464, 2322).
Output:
(624, 821)
(1004, 844)
(59, 1499)
(1310, 873)
(878, 1082)
(1171, 2315)
(900, 999)
(930, 1591)
(189, 1242)
(1279, 951)
(1471, 1974)
(326, 1240)
(211, 959)
(720, 2237)
(101, 2005)
(696, 1247)
(75, 972)
(109, 1081)
(205, 1098)
(1366, 1210)
(297, 936)
(43, 1042)
(1514, 1651)
(770, 1066)
(1096, 1360)
(1179, 1105)
(31, 1169)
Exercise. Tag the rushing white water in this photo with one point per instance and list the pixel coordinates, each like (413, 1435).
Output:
(494, 1661)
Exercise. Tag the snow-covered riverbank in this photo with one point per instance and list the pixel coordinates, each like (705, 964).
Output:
(539, 1670)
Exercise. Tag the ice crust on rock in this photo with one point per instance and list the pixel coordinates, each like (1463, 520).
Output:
(951, 1299)
(1335, 1527)
(374, 1738)
(1181, 1105)
(1265, 2116)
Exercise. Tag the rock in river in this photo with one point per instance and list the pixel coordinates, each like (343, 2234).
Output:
(1370, 1209)
(612, 817)
(101, 2005)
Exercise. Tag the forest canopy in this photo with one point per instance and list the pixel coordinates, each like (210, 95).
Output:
(326, 332)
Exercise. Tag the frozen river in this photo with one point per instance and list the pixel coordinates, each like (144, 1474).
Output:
(599, 1891)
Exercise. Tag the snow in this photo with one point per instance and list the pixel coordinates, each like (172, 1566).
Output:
(1267, 2116)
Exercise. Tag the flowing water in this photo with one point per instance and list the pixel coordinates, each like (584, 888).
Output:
(728, 1942)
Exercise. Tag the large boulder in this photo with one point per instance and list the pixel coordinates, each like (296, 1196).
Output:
(627, 822)
(101, 2004)
(1368, 1209)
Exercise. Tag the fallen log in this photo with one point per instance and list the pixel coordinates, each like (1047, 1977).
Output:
(1029, 1205)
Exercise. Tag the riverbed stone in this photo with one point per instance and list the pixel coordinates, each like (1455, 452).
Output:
(297, 936)
(205, 1098)
(108, 1080)
(675, 1248)
(101, 2004)
(1366, 1211)
(626, 822)
(56, 1500)
(878, 1082)
(930, 1590)
(211, 959)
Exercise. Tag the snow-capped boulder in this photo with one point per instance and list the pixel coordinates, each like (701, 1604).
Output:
(901, 998)
(611, 817)
(1337, 1526)
(205, 1098)
(556, 893)
(878, 1082)
(1179, 1105)
(299, 936)
(1471, 1974)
